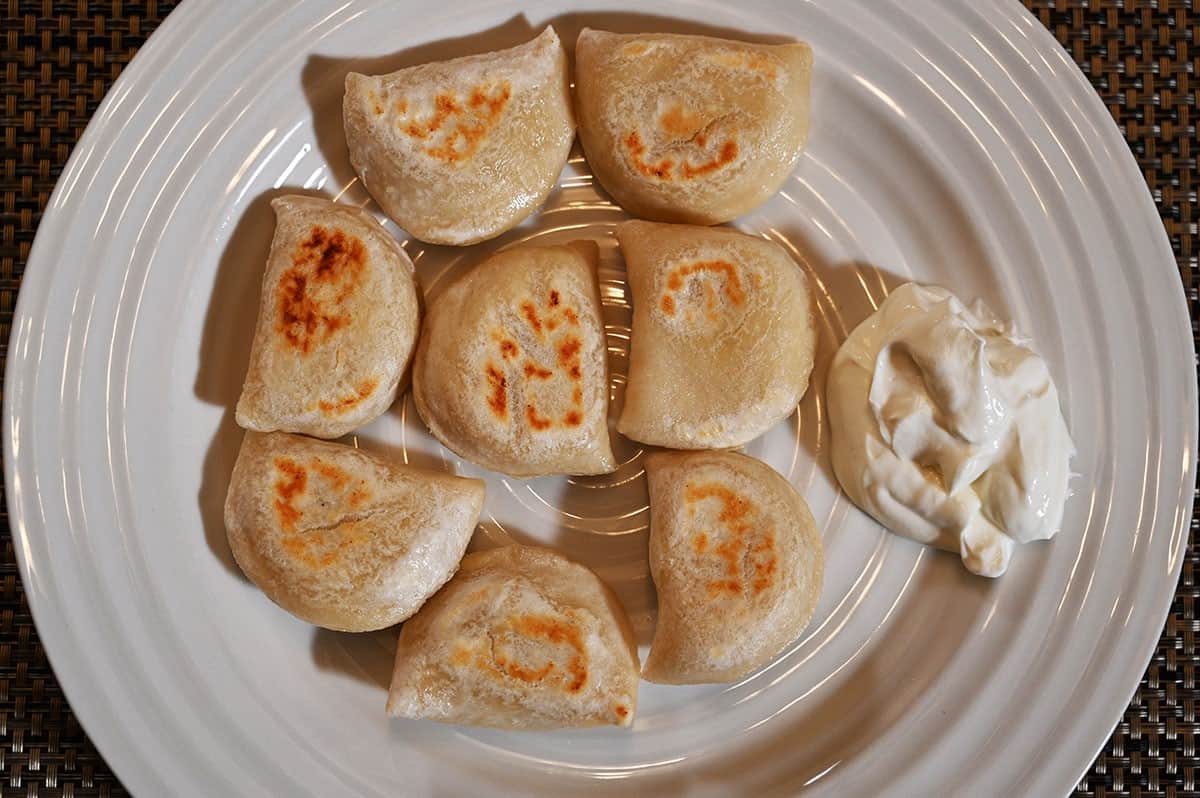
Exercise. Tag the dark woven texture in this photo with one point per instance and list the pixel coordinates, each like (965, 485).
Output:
(59, 58)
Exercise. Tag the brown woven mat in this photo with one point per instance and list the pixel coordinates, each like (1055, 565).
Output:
(60, 57)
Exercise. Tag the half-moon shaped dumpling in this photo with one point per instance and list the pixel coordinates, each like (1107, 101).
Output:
(337, 322)
(690, 128)
(737, 561)
(723, 335)
(342, 538)
(460, 151)
(511, 370)
(521, 638)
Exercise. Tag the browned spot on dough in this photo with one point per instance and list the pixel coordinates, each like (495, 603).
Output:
(346, 403)
(508, 347)
(318, 548)
(727, 155)
(732, 285)
(327, 268)
(678, 122)
(492, 657)
(684, 131)
(734, 508)
(752, 61)
(517, 671)
(533, 370)
(288, 515)
(553, 303)
(760, 62)
(295, 479)
(537, 422)
(332, 474)
(622, 712)
(445, 106)
(560, 632)
(292, 483)
(765, 565)
(568, 351)
(637, 149)
(531, 316)
(498, 391)
(720, 586)
(567, 347)
(744, 548)
(466, 124)
(296, 546)
(339, 480)
(322, 548)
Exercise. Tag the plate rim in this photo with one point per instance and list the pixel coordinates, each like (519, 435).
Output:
(1144, 204)
(128, 761)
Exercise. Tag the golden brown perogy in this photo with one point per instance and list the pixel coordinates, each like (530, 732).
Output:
(460, 151)
(511, 370)
(690, 128)
(723, 335)
(521, 638)
(337, 322)
(737, 562)
(342, 538)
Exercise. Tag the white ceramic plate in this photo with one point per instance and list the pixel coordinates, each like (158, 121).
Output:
(952, 142)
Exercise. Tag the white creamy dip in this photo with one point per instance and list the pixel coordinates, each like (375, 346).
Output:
(947, 428)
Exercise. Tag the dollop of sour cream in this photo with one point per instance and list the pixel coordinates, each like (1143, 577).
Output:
(947, 428)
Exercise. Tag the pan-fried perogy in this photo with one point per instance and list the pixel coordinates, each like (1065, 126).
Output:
(337, 322)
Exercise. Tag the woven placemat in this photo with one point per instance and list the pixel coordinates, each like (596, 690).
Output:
(59, 58)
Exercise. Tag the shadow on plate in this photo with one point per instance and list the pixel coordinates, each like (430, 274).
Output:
(839, 723)
(844, 295)
(403, 415)
(365, 656)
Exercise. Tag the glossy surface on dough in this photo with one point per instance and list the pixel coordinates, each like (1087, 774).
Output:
(690, 128)
(340, 537)
(460, 151)
(737, 563)
(521, 638)
(511, 371)
(723, 335)
(337, 322)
